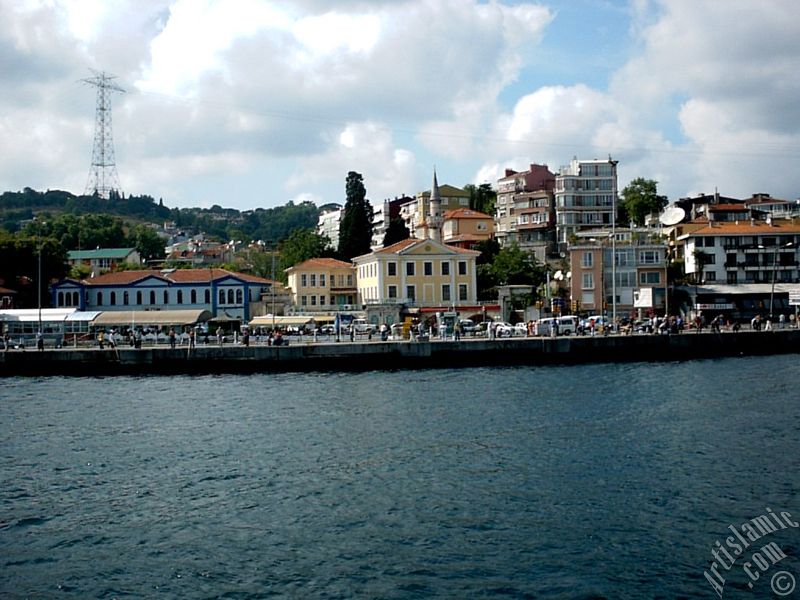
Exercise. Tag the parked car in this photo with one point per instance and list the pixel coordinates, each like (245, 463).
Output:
(467, 326)
(361, 326)
(503, 329)
(567, 325)
(521, 329)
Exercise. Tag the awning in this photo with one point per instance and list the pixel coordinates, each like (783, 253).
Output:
(283, 321)
(34, 314)
(320, 319)
(152, 317)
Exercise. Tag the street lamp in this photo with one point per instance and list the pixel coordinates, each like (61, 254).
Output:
(39, 277)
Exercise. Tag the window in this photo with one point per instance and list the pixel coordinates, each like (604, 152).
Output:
(392, 269)
(411, 293)
(138, 297)
(445, 268)
(303, 280)
(207, 296)
(445, 293)
(649, 257)
(152, 297)
(60, 298)
(313, 300)
(222, 297)
(350, 282)
(410, 269)
(428, 268)
(193, 296)
(587, 281)
(304, 300)
(166, 297)
(462, 267)
(733, 277)
(322, 300)
(230, 297)
(587, 262)
(462, 291)
(392, 291)
(74, 298)
(125, 298)
(113, 298)
(710, 276)
(322, 280)
(313, 280)
(650, 278)
(239, 296)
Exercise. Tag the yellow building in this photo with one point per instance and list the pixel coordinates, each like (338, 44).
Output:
(322, 284)
(418, 272)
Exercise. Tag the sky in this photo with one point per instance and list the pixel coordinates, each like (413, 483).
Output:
(252, 103)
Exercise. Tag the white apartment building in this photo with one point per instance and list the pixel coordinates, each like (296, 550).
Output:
(586, 196)
(328, 225)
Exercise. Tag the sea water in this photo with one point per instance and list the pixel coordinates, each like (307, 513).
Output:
(599, 481)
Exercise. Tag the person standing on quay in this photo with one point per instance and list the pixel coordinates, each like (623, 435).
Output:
(219, 335)
(39, 340)
(172, 337)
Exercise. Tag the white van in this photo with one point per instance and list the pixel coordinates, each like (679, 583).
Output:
(567, 325)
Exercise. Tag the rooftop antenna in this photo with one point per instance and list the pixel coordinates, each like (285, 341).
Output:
(103, 178)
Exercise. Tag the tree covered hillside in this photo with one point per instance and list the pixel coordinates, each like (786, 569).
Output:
(268, 224)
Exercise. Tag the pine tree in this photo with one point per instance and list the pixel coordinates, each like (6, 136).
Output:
(396, 232)
(355, 228)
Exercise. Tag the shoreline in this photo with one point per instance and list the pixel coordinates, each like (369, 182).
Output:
(394, 355)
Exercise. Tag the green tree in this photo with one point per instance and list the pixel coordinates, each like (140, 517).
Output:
(301, 245)
(486, 280)
(481, 198)
(147, 243)
(639, 199)
(701, 258)
(514, 266)
(355, 229)
(19, 269)
(396, 232)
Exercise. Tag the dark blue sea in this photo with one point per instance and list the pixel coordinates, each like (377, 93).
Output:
(602, 481)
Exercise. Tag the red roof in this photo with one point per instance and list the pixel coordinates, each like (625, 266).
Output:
(330, 263)
(173, 276)
(748, 228)
(403, 244)
(728, 207)
(465, 213)
(398, 246)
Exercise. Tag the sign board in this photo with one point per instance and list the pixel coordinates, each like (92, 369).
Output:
(794, 297)
(715, 306)
(643, 298)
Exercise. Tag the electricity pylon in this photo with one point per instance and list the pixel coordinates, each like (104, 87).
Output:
(103, 178)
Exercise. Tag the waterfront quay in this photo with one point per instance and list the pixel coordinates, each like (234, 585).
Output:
(391, 355)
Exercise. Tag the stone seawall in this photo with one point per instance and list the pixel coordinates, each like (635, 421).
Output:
(395, 355)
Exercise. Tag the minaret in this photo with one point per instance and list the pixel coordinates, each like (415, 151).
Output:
(434, 221)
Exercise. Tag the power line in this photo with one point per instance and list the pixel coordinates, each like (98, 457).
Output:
(754, 149)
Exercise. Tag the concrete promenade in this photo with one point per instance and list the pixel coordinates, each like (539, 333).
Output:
(377, 355)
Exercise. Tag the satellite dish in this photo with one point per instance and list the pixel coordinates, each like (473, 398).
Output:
(672, 215)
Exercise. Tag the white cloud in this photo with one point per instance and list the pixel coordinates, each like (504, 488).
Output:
(224, 94)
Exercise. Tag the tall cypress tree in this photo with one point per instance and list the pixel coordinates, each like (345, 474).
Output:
(355, 228)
